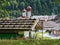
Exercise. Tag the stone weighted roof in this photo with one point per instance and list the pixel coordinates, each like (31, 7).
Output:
(21, 24)
(57, 19)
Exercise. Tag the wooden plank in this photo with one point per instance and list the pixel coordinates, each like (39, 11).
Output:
(17, 25)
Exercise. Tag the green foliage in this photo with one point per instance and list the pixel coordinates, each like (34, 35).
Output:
(29, 42)
(58, 1)
(39, 7)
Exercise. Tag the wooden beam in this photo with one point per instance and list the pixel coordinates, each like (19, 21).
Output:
(35, 23)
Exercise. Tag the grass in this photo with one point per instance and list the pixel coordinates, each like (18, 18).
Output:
(29, 42)
(43, 32)
(45, 41)
(37, 35)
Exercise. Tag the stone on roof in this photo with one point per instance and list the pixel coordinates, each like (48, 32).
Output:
(57, 18)
(22, 24)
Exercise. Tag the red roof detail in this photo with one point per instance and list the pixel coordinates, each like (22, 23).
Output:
(24, 10)
(29, 8)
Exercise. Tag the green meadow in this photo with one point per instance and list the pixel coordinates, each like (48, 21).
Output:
(30, 42)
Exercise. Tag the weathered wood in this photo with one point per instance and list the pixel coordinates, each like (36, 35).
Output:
(7, 26)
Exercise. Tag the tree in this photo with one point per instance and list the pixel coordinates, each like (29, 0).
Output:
(39, 7)
(58, 1)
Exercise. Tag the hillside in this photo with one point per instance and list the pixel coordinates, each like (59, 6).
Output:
(13, 8)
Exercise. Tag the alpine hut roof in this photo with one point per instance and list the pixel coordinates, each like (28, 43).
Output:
(57, 18)
(18, 25)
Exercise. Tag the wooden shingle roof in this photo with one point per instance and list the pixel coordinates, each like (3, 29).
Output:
(57, 18)
(21, 24)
